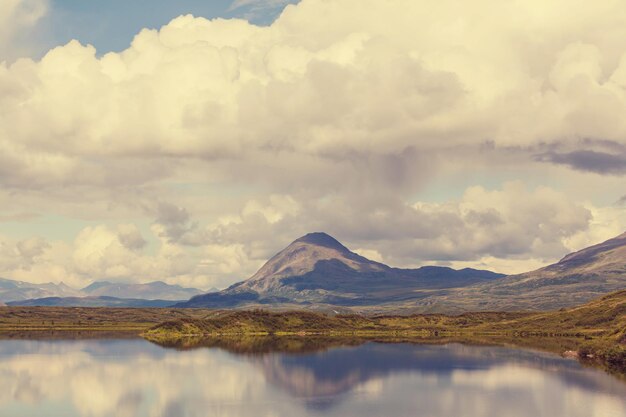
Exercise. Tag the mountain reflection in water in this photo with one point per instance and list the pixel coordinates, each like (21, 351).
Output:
(136, 378)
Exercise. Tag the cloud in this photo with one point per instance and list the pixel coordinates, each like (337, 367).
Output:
(175, 221)
(592, 161)
(232, 139)
(29, 249)
(128, 378)
(516, 225)
(17, 16)
(107, 253)
(22, 254)
(513, 228)
(130, 237)
(228, 91)
(258, 4)
(263, 11)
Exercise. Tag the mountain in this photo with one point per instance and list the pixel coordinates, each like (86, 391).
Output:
(100, 293)
(17, 290)
(318, 270)
(576, 279)
(156, 290)
(101, 301)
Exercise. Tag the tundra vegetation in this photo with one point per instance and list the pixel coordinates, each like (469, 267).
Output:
(594, 332)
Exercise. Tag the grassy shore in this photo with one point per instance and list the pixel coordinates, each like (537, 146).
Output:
(104, 319)
(596, 331)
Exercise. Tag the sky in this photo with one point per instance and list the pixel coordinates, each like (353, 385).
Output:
(189, 141)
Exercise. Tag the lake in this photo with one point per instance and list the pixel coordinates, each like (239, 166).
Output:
(133, 377)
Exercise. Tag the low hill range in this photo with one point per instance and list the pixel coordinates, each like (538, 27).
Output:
(317, 272)
(18, 290)
(156, 290)
(99, 293)
(91, 301)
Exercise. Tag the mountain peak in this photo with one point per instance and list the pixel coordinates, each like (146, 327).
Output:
(322, 239)
(95, 285)
(304, 255)
(316, 269)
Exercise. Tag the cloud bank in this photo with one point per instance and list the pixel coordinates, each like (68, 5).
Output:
(17, 17)
(229, 139)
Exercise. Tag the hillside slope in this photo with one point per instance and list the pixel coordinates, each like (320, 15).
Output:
(577, 278)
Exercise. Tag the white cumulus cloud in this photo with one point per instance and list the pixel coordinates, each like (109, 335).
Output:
(224, 135)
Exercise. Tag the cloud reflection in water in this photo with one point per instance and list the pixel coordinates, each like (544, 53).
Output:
(136, 378)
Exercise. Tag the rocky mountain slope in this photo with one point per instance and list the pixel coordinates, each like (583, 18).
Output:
(576, 279)
(318, 270)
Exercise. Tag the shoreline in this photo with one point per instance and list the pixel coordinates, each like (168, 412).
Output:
(595, 331)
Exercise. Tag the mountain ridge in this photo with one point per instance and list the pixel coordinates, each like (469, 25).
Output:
(91, 301)
(577, 278)
(317, 270)
(11, 290)
(15, 291)
(154, 290)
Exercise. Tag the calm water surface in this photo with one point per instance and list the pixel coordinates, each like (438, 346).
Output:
(136, 378)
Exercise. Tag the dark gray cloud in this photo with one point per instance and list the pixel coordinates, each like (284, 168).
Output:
(174, 219)
(609, 145)
(588, 160)
(130, 237)
(178, 226)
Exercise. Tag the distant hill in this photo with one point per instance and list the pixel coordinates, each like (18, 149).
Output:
(318, 270)
(156, 290)
(99, 293)
(576, 279)
(101, 301)
(18, 290)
